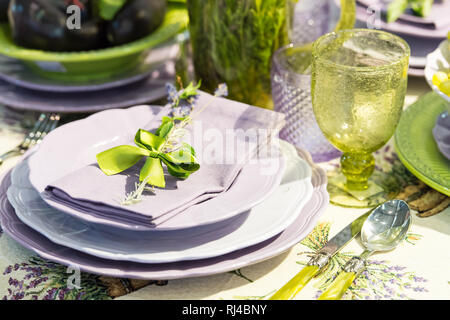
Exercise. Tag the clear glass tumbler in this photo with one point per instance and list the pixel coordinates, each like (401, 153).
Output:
(290, 78)
(291, 92)
(307, 20)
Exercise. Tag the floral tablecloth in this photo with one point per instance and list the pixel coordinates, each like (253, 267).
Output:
(418, 269)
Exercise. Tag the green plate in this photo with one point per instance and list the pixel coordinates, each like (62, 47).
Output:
(415, 144)
(94, 64)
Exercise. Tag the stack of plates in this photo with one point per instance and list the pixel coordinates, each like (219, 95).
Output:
(22, 88)
(88, 81)
(259, 217)
(422, 34)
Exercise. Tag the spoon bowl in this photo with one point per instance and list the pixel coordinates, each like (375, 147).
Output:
(386, 226)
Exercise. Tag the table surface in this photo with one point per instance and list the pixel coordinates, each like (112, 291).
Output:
(417, 269)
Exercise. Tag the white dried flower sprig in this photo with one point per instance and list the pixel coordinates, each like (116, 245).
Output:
(136, 195)
(174, 139)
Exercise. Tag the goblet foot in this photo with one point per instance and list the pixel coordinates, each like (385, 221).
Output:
(380, 188)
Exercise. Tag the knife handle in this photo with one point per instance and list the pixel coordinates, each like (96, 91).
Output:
(297, 283)
(337, 289)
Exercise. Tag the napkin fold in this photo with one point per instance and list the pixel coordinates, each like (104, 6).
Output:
(223, 136)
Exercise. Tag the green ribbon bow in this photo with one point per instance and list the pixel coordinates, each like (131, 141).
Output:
(180, 163)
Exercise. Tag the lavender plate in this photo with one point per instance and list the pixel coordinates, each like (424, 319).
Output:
(441, 133)
(262, 222)
(401, 27)
(166, 271)
(416, 72)
(436, 19)
(15, 72)
(114, 127)
(147, 90)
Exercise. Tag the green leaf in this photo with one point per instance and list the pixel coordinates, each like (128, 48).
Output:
(165, 128)
(109, 8)
(422, 8)
(148, 140)
(153, 172)
(120, 158)
(167, 119)
(190, 90)
(396, 9)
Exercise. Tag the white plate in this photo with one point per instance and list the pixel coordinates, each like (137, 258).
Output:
(262, 222)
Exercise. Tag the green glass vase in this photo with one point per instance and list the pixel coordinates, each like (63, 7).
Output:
(233, 42)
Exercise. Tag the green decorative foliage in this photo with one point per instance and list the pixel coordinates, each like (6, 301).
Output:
(420, 8)
(163, 146)
(396, 9)
(180, 163)
(189, 91)
(233, 42)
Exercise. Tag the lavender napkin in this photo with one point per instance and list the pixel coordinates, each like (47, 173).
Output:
(225, 135)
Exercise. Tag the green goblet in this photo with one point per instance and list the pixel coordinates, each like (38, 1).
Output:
(359, 80)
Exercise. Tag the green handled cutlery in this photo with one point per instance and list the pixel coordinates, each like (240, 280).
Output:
(320, 260)
(383, 230)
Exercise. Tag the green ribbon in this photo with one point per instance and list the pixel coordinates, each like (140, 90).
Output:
(180, 163)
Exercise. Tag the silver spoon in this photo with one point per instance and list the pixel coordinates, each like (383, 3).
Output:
(383, 230)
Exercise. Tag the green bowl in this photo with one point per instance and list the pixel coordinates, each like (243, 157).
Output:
(94, 64)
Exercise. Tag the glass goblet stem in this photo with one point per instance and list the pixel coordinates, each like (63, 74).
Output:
(357, 168)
